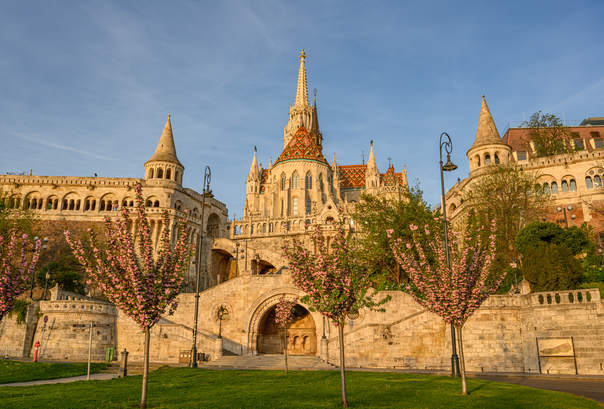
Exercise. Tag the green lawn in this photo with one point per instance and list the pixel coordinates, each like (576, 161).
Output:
(17, 371)
(201, 388)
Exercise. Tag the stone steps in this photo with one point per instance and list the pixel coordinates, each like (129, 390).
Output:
(295, 362)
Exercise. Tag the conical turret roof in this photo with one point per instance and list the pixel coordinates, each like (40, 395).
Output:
(254, 174)
(301, 146)
(166, 149)
(371, 161)
(486, 133)
(302, 91)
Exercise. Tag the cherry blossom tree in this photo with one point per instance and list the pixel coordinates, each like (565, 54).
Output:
(334, 278)
(15, 270)
(140, 285)
(284, 314)
(453, 285)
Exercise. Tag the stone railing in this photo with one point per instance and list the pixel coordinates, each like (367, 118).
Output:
(579, 296)
(78, 307)
(57, 294)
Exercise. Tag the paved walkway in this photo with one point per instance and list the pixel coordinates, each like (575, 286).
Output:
(96, 376)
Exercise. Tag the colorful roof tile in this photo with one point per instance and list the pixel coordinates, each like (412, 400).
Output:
(263, 180)
(352, 176)
(301, 146)
(389, 178)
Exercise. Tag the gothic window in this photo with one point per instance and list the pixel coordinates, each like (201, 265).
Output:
(597, 181)
(282, 207)
(331, 185)
(264, 228)
(71, 205)
(252, 229)
(151, 173)
(308, 205)
(295, 212)
(309, 180)
(295, 181)
(496, 159)
(546, 190)
(321, 181)
(102, 208)
(487, 159)
(477, 160)
(588, 183)
(270, 227)
(538, 189)
(564, 186)
(169, 174)
(65, 205)
(160, 173)
(554, 188)
(283, 181)
(573, 185)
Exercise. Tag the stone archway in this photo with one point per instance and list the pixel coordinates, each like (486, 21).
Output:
(301, 334)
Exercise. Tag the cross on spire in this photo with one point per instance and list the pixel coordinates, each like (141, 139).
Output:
(389, 159)
(363, 155)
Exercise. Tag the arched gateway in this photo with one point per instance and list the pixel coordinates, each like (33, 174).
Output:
(265, 337)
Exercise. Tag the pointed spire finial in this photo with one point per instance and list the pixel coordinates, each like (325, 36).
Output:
(302, 91)
(372, 142)
(487, 132)
(166, 149)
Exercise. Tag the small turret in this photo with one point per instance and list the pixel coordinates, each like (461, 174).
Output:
(164, 164)
(372, 174)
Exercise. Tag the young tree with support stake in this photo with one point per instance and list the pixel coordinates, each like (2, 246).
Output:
(15, 271)
(284, 314)
(335, 281)
(451, 285)
(141, 286)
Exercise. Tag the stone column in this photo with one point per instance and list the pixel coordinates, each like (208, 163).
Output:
(217, 348)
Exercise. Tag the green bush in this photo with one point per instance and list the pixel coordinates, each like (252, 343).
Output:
(551, 267)
(592, 269)
(62, 273)
(575, 238)
(20, 310)
(599, 285)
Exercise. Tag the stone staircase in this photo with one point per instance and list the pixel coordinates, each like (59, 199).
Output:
(274, 362)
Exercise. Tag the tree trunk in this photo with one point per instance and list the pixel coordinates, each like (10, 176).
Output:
(342, 368)
(462, 362)
(143, 404)
(285, 347)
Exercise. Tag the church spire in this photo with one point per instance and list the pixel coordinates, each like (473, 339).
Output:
(166, 149)
(253, 175)
(371, 164)
(302, 91)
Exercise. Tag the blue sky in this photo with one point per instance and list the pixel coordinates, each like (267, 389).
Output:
(86, 87)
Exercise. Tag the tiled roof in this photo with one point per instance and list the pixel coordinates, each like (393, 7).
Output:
(401, 178)
(301, 146)
(352, 176)
(263, 180)
(389, 178)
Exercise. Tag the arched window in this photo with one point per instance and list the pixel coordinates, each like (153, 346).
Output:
(588, 183)
(496, 159)
(331, 185)
(538, 189)
(156, 204)
(160, 173)
(308, 205)
(321, 181)
(309, 180)
(295, 181)
(487, 159)
(177, 177)
(252, 229)
(477, 160)
(264, 228)
(169, 174)
(554, 188)
(151, 173)
(270, 227)
(546, 190)
(564, 186)
(295, 206)
(597, 181)
(573, 185)
(282, 207)
(283, 181)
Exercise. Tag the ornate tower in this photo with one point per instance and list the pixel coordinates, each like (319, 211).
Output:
(164, 164)
(301, 113)
(488, 147)
(253, 186)
(372, 174)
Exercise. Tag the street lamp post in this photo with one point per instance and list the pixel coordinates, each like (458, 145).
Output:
(570, 209)
(222, 312)
(515, 267)
(448, 167)
(46, 286)
(207, 177)
(33, 276)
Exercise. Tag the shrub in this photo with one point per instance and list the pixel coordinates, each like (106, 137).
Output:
(551, 267)
(598, 285)
(20, 311)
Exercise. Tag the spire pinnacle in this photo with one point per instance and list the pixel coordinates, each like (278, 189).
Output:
(333, 162)
(487, 132)
(253, 175)
(166, 149)
(302, 91)
(371, 161)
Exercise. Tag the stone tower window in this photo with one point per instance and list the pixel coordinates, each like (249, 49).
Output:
(309, 180)
(282, 207)
(295, 213)
(588, 183)
(160, 173)
(308, 205)
(177, 177)
(564, 186)
(597, 181)
(573, 185)
(546, 190)
(169, 174)
(487, 159)
(321, 181)
(151, 173)
(554, 187)
(283, 181)
(296, 180)
(496, 159)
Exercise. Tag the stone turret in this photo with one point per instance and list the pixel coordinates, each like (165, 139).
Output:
(488, 147)
(372, 174)
(164, 164)
(253, 183)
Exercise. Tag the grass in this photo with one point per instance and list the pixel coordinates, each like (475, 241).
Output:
(201, 388)
(17, 371)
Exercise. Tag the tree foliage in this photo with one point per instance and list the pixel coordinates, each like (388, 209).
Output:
(140, 285)
(336, 280)
(507, 195)
(20, 219)
(451, 287)
(62, 272)
(548, 134)
(575, 238)
(374, 215)
(551, 267)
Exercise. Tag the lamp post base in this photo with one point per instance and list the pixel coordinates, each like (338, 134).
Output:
(193, 361)
(455, 373)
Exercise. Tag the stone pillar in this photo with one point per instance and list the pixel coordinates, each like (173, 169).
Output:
(324, 349)
(217, 348)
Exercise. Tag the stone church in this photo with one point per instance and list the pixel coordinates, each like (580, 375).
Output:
(244, 274)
